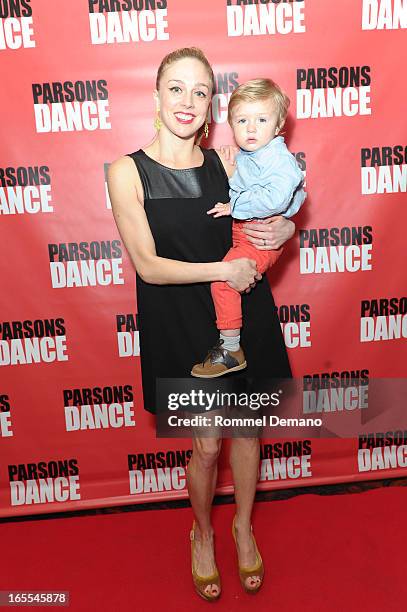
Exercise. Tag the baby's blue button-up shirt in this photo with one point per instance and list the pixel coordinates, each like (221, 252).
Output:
(266, 182)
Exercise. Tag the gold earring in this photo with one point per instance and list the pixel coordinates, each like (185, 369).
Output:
(157, 122)
(206, 129)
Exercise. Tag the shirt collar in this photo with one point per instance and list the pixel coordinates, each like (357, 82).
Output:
(274, 142)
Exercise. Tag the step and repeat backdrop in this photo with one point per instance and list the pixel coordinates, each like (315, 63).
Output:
(77, 82)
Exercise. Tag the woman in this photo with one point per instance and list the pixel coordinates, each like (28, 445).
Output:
(160, 195)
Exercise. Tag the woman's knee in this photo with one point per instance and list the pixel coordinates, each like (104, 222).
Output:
(207, 450)
(246, 446)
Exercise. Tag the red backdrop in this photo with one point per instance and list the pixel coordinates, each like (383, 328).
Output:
(77, 93)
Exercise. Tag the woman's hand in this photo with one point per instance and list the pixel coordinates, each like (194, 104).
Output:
(270, 233)
(242, 274)
(220, 210)
(229, 152)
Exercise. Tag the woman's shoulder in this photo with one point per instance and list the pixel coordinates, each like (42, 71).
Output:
(124, 170)
(123, 164)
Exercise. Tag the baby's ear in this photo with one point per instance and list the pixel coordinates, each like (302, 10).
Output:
(279, 128)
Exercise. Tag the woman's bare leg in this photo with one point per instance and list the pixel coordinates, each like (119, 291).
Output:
(202, 475)
(244, 461)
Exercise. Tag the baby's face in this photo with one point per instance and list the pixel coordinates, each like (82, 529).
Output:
(254, 124)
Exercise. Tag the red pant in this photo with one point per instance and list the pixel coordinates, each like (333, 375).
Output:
(227, 300)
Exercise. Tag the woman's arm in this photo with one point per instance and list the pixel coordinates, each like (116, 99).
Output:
(125, 194)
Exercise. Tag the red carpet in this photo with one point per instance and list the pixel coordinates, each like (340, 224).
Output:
(334, 553)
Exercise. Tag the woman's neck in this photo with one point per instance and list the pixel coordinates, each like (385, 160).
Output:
(176, 152)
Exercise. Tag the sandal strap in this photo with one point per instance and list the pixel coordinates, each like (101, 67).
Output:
(204, 581)
(247, 571)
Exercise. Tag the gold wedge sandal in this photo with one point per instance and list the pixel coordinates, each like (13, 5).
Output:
(200, 582)
(250, 572)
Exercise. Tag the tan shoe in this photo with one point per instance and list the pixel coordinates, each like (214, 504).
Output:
(201, 583)
(219, 361)
(256, 573)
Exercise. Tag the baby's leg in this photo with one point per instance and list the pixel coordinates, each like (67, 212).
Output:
(228, 307)
(263, 258)
(226, 356)
(227, 301)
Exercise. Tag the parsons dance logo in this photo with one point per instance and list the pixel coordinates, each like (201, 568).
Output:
(99, 408)
(71, 106)
(334, 249)
(333, 92)
(84, 264)
(335, 391)
(44, 482)
(382, 451)
(25, 190)
(302, 164)
(128, 337)
(384, 169)
(16, 24)
(131, 21)
(248, 18)
(383, 319)
(26, 342)
(156, 472)
(384, 14)
(295, 321)
(226, 82)
(5, 417)
(285, 460)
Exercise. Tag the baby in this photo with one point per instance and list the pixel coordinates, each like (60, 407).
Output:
(267, 181)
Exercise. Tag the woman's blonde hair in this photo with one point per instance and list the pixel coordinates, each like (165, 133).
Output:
(179, 54)
(260, 89)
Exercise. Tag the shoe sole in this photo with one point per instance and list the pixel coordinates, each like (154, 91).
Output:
(242, 366)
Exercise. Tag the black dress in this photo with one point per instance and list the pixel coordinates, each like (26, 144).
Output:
(177, 322)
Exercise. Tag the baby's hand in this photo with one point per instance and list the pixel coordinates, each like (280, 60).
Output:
(229, 152)
(219, 210)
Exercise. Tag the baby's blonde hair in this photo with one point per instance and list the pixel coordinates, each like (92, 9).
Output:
(260, 89)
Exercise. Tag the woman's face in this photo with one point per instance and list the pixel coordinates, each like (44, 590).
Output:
(184, 96)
